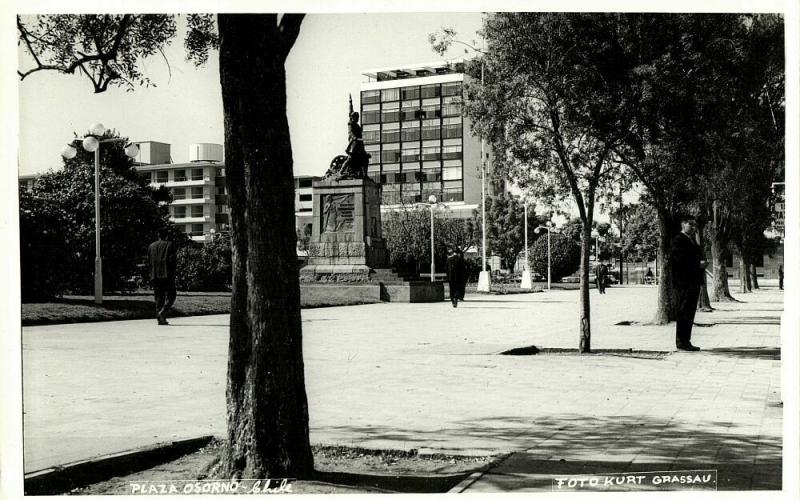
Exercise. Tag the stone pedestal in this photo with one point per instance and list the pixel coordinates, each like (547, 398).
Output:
(347, 256)
(346, 242)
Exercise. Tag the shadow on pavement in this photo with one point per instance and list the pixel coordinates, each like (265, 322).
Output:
(589, 444)
(771, 353)
(397, 484)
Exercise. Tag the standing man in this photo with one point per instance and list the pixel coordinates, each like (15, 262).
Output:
(780, 277)
(162, 261)
(600, 273)
(456, 275)
(687, 278)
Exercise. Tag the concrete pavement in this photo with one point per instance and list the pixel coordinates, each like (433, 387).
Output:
(430, 377)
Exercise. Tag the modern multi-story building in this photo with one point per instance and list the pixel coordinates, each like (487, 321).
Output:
(200, 199)
(200, 203)
(418, 140)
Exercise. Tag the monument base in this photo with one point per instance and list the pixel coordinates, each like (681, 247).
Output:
(334, 273)
(360, 284)
(335, 294)
(413, 291)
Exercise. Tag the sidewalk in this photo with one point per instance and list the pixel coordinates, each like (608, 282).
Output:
(429, 377)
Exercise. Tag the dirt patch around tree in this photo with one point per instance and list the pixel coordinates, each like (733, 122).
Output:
(338, 470)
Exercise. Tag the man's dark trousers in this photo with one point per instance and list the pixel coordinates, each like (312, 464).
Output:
(687, 279)
(165, 293)
(686, 300)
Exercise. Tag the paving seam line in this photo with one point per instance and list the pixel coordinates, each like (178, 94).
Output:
(475, 476)
(60, 479)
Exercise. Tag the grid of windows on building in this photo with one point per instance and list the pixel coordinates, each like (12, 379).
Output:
(414, 135)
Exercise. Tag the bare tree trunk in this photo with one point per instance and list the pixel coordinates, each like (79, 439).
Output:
(665, 309)
(754, 274)
(585, 344)
(720, 292)
(703, 302)
(267, 408)
(749, 281)
(743, 275)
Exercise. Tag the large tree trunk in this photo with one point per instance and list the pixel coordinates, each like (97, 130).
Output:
(749, 281)
(267, 409)
(703, 302)
(585, 344)
(665, 309)
(720, 292)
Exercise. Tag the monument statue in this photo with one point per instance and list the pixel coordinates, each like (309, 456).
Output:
(353, 165)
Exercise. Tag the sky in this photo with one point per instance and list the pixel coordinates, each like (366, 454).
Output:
(185, 105)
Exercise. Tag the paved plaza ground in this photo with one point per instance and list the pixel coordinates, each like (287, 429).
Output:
(431, 377)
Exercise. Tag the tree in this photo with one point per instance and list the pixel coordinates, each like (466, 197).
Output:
(58, 219)
(408, 238)
(748, 147)
(205, 267)
(565, 254)
(641, 236)
(267, 408)
(701, 76)
(505, 227)
(553, 104)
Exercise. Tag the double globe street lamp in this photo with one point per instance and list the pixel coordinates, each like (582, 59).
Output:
(91, 143)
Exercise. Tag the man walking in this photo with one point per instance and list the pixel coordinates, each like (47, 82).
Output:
(687, 278)
(780, 277)
(162, 261)
(456, 275)
(600, 274)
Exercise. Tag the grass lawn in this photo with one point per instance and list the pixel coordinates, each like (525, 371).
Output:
(81, 309)
(141, 305)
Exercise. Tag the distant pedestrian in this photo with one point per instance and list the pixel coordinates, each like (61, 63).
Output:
(780, 277)
(600, 276)
(162, 261)
(687, 278)
(456, 275)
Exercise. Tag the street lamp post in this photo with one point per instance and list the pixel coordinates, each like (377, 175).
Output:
(526, 273)
(484, 281)
(432, 204)
(538, 230)
(91, 143)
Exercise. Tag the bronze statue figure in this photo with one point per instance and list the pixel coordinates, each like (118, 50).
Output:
(354, 164)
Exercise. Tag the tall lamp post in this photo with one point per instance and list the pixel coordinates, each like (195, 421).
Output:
(432, 204)
(484, 281)
(526, 272)
(548, 229)
(91, 143)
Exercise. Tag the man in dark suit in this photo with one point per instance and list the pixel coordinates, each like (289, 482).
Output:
(456, 275)
(162, 260)
(687, 278)
(600, 275)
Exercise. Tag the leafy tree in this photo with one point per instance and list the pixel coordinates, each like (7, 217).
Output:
(553, 104)
(408, 239)
(63, 204)
(688, 129)
(565, 254)
(267, 408)
(205, 267)
(505, 228)
(640, 240)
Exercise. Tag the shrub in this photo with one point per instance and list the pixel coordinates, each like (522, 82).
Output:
(565, 256)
